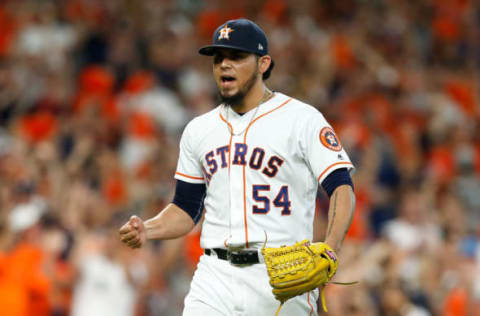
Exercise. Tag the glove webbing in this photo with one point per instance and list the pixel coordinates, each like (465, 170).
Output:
(322, 296)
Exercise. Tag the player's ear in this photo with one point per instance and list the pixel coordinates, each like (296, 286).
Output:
(264, 63)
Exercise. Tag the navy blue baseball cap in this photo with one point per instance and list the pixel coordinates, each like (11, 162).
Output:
(241, 34)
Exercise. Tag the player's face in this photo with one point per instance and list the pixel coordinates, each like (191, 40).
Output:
(235, 73)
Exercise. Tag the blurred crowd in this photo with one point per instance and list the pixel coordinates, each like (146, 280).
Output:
(94, 96)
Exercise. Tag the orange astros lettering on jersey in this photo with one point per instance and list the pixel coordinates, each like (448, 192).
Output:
(256, 159)
(240, 153)
(221, 151)
(329, 139)
(212, 163)
(242, 156)
(273, 165)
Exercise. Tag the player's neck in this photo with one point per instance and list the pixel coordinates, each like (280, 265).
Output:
(257, 95)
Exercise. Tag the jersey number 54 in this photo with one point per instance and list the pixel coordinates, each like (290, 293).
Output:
(281, 200)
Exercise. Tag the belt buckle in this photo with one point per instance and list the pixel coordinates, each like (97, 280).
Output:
(232, 252)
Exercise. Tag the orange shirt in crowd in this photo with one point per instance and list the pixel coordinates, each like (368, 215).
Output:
(61, 293)
(193, 250)
(38, 126)
(7, 32)
(463, 93)
(24, 288)
(342, 53)
(456, 303)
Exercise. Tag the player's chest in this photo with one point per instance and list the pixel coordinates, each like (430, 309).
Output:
(262, 148)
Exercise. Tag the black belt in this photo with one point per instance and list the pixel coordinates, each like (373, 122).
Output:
(235, 257)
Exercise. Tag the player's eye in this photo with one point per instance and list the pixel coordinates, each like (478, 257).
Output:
(219, 57)
(237, 56)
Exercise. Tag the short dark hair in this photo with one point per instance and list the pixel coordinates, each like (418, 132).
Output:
(267, 73)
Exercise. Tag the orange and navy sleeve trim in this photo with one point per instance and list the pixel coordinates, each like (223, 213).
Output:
(190, 197)
(187, 177)
(341, 163)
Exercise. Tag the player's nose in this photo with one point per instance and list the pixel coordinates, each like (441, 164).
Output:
(225, 63)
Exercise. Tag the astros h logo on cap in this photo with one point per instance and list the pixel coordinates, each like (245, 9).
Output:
(240, 34)
(224, 32)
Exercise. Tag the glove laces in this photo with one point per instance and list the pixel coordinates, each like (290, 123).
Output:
(322, 295)
(293, 258)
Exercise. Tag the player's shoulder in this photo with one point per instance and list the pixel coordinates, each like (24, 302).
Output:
(202, 121)
(302, 109)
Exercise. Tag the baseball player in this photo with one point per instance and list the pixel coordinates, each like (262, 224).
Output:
(254, 164)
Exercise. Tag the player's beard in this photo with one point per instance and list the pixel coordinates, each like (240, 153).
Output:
(237, 98)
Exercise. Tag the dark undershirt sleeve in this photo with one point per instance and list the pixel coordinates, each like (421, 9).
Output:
(335, 179)
(189, 197)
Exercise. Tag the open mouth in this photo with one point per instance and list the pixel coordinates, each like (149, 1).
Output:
(227, 79)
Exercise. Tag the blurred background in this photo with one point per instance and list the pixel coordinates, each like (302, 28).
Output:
(94, 96)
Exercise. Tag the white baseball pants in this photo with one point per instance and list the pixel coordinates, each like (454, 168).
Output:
(219, 288)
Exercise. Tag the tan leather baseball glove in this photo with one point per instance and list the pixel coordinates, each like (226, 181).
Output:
(294, 270)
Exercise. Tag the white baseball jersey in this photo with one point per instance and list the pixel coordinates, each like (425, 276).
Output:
(261, 169)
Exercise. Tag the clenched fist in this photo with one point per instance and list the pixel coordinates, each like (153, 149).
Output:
(133, 232)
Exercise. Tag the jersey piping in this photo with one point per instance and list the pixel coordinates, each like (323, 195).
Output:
(251, 123)
(187, 176)
(310, 304)
(244, 176)
(244, 184)
(333, 165)
(230, 127)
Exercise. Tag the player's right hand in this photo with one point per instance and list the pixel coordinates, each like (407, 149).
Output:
(133, 233)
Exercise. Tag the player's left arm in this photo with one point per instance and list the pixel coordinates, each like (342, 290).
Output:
(329, 161)
(340, 214)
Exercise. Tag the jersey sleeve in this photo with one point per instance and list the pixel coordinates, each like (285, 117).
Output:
(321, 147)
(189, 168)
